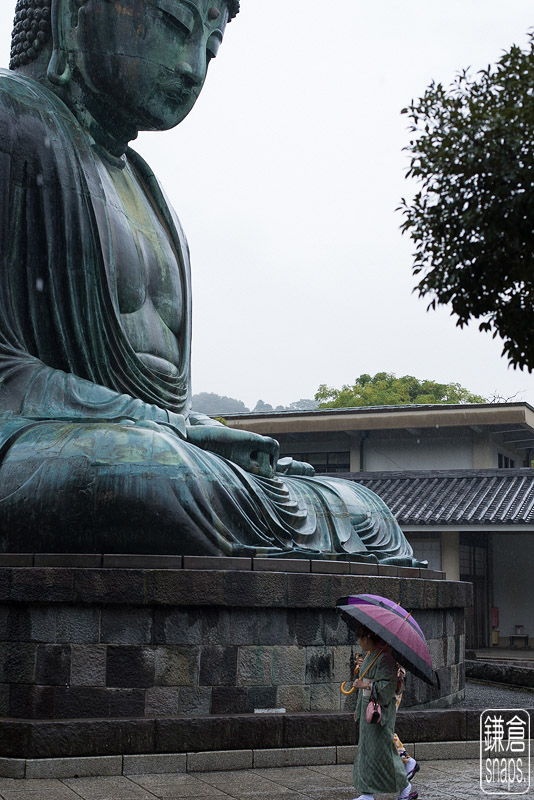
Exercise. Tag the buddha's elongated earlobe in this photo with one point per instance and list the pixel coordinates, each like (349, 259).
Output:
(59, 71)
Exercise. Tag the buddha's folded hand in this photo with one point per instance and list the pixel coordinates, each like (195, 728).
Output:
(288, 466)
(254, 453)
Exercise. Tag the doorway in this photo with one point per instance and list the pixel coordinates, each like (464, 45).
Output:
(474, 567)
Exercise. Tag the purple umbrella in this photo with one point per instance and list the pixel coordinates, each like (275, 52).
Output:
(395, 626)
(378, 600)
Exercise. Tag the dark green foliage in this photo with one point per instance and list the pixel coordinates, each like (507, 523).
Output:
(385, 389)
(472, 220)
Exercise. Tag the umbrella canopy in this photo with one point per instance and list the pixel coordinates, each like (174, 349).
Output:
(394, 625)
(378, 600)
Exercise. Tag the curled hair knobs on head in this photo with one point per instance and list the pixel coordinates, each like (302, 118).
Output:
(31, 31)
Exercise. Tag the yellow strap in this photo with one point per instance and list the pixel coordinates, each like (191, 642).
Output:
(353, 688)
(373, 661)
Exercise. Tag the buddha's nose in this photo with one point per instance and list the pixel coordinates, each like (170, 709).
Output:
(191, 72)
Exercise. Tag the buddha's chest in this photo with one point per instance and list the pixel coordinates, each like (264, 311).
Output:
(145, 269)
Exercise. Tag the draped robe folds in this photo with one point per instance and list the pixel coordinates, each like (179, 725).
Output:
(94, 454)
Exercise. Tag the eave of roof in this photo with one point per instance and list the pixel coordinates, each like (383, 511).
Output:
(452, 498)
(385, 417)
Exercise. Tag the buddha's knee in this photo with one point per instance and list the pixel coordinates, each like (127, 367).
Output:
(98, 443)
(94, 487)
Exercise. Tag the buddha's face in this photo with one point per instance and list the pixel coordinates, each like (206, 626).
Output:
(144, 62)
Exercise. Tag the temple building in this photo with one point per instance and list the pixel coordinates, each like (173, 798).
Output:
(459, 480)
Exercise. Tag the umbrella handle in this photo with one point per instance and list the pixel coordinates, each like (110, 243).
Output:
(353, 688)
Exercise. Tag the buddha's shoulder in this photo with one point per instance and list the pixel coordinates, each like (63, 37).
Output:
(16, 88)
(29, 114)
(21, 96)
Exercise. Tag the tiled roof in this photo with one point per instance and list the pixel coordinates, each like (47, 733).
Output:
(455, 497)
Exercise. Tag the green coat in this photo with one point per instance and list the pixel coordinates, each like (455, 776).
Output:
(378, 767)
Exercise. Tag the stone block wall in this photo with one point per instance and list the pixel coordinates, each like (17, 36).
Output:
(445, 634)
(153, 643)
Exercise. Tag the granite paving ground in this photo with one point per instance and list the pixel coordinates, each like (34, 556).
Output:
(480, 695)
(437, 780)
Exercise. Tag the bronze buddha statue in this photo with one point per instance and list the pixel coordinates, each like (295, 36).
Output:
(101, 451)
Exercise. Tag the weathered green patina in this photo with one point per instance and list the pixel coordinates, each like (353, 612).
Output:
(100, 450)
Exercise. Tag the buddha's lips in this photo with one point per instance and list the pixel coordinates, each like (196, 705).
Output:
(176, 91)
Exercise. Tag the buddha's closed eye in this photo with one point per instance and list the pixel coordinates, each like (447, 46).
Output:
(176, 14)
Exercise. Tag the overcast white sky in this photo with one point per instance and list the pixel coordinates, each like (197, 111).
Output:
(286, 177)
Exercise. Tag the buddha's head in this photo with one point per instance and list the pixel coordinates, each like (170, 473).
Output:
(134, 64)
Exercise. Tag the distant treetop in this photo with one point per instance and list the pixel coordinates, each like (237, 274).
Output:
(211, 403)
(304, 404)
(215, 404)
(385, 389)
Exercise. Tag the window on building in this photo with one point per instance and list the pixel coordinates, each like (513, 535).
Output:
(427, 550)
(325, 462)
(505, 462)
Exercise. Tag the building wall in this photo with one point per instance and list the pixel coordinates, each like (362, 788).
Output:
(431, 446)
(450, 559)
(484, 452)
(418, 452)
(460, 448)
(513, 587)
(389, 450)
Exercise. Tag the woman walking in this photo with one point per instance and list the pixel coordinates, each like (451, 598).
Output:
(377, 767)
(411, 766)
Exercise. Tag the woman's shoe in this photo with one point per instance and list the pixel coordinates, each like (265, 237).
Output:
(412, 769)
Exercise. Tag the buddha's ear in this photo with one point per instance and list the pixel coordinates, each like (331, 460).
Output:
(62, 12)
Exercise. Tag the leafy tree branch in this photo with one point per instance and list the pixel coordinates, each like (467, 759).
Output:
(472, 220)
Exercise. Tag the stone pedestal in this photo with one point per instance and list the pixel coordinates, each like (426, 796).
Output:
(124, 654)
